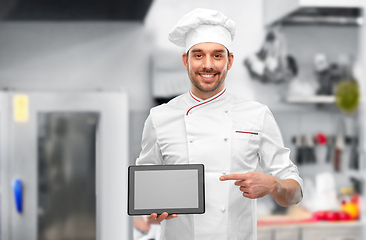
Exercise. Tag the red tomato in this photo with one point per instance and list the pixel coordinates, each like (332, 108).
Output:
(332, 216)
(320, 215)
(344, 216)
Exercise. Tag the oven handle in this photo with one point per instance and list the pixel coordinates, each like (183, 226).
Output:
(18, 194)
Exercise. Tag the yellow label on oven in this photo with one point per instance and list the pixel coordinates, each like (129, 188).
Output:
(21, 108)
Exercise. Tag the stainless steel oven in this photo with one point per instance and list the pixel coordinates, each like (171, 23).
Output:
(63, 165)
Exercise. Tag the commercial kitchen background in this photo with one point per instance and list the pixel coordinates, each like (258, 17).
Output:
(135, 57)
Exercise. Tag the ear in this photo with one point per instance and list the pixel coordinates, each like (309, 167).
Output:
(231, 60)
(185, 60)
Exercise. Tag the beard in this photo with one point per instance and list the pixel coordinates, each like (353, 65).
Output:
(207, 87)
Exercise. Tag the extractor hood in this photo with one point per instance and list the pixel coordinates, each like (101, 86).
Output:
(74, 10)
(344, 12)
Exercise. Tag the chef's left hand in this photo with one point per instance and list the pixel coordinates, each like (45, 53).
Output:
(253, 184)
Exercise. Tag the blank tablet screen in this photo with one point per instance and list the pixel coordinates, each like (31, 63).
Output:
(166, 188)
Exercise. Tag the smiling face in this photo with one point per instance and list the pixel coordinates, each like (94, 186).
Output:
(207, 65)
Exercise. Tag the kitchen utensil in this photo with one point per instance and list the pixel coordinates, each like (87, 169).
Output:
(306, 150)
(322, 70)
(330, 149)
(311, 149)
(256, 62)
(272, 63)
(353, 162)
(299, 148)
(328, 74)
(325, 197)
(339, 146)
(321, 138)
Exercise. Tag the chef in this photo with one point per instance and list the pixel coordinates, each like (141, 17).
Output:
(234, 138)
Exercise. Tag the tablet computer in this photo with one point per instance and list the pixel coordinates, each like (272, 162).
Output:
(175, 189)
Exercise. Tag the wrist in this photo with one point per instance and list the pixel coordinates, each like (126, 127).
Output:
(276, 187)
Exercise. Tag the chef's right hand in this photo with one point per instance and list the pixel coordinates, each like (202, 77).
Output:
(161, 217)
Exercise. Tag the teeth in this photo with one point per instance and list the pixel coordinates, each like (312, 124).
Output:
(207, 76)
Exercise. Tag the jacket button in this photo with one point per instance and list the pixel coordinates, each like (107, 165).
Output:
(225, 139)
(224, 173)
(191, 141)
(222, 209)
(226, 111)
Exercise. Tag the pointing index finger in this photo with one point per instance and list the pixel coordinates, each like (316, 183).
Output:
(232, 177)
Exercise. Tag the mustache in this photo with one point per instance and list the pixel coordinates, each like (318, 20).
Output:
(209, 72)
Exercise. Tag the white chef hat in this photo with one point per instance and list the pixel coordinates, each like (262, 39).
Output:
(203, 25)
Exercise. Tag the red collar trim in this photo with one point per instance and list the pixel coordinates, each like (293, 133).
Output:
(205, 102)
(190, 93)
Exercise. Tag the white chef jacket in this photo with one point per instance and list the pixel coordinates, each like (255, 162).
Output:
(228, 135)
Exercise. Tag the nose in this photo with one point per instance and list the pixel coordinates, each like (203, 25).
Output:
(208, 64)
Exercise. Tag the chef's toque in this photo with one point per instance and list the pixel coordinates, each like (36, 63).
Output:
(203, 25)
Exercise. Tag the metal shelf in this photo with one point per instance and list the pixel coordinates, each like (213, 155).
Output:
(323, 99)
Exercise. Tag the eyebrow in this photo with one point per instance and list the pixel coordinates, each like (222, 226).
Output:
(196, 50)
(200, 50)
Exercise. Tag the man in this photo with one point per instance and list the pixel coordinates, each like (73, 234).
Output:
(232, 137)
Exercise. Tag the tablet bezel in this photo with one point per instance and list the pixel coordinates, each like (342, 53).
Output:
(201, 189)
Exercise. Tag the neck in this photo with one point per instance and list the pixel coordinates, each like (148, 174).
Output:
(205, 95)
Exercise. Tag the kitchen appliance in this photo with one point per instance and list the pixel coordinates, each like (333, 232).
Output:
(63, 161)
(339, 12)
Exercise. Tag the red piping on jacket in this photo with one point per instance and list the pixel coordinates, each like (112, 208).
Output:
(247, 132)
(205, 102)
(194, 97)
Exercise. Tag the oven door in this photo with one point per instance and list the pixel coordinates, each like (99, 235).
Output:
(64, 160)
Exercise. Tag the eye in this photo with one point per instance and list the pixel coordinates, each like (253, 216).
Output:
(198, 55)
(217, 55)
